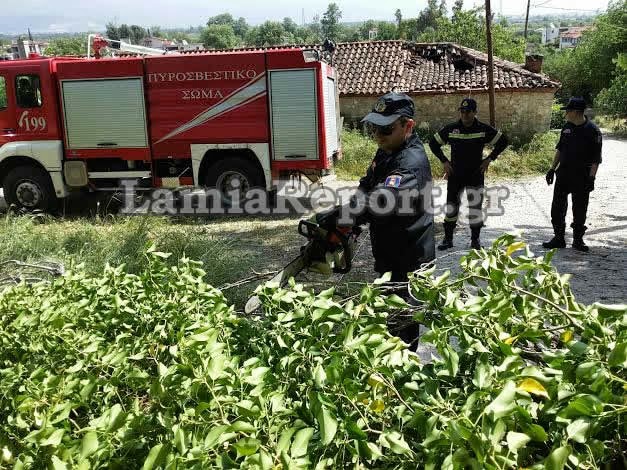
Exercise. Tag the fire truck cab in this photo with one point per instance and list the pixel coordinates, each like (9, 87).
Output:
(223, 119)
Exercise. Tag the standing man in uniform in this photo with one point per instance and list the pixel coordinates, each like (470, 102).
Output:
(467, 167)
(577, 158)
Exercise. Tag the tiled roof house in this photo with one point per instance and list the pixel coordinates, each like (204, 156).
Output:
(438, 76)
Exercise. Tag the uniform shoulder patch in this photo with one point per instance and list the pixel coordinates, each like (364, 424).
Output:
(393, 181)
(567, 131)
(455, 131)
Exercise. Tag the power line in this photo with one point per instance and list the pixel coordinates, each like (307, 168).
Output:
(566, 9)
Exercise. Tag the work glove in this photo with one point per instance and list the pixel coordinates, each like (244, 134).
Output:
(550, 176)
(589, 186)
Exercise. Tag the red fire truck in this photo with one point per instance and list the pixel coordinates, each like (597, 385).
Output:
(201, 119)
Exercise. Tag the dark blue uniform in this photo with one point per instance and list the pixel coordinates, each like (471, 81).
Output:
(579, 148)
(401, 243)
(467, 145)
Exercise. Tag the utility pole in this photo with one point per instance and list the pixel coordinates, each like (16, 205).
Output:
(488, 30)
(527, 20)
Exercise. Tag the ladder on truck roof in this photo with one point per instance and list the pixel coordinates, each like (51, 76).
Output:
(99, 42)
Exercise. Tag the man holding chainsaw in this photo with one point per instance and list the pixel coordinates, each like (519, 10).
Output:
(401, 240)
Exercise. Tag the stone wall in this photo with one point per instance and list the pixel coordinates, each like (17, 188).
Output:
(519, 113)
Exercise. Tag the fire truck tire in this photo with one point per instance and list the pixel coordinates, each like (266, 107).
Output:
(230, 173)
(30, 188)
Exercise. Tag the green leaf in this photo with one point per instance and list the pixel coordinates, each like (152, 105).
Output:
(301, 441)
(557, 459)
(583, 405)
(328, 425)
(482, 375)
(155, 457)
(535, 432)
(285, 439)
(577, 430)
(57, 463)
(394, 441)
(54, 439)
(179, 441)
(247, 446)
(503, 404)
(320, 376)
(116, 418)
(577, 347)
(516, 440)
(243, 426)
(216, 434)
(618, 356)
(89, 444)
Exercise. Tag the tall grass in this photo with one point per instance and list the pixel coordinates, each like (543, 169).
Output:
(532, 158)
(122, 240)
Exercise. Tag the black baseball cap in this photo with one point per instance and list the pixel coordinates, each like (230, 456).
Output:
(468, 104)
(389, 108)
(576, 103)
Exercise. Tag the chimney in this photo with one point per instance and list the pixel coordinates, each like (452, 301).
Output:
(533, 63)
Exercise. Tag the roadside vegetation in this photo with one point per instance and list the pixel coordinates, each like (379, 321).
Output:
(532, 158)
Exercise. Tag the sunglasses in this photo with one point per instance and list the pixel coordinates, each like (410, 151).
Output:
(382, 130)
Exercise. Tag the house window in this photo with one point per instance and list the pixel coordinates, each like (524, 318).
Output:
(28, 91)
(3, 93)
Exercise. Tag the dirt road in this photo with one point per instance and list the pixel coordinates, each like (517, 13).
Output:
(601, 274)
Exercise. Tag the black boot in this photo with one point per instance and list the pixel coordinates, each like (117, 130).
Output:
(555, 242)
(558, 239)
(578, 243)
(447, 243)
(475, 243)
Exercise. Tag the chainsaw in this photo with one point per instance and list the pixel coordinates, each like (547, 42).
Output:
(329, 249)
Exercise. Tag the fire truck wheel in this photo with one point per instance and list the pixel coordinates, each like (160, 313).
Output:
(30, 188)
(234, 174)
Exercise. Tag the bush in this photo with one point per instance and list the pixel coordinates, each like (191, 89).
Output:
(155, 370)
(531, 158)
(558, 118)
(613, 100)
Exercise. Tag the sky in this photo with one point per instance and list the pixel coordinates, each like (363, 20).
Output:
(84, 15)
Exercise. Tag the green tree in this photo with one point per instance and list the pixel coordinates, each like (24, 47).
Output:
(240, 27)
(112, 31)
(219, 36)
(457, 7)
(428, 18)
(467, 28)
(613, 100)
(330, 22)
(155, 31)
(270, 33)
(76, 46)
(137, 34)
(592, 66)
(289, 25)
(222, 19)
(124, 32)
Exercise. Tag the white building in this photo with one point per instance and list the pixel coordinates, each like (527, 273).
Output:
(22, 48)
(549, 34)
